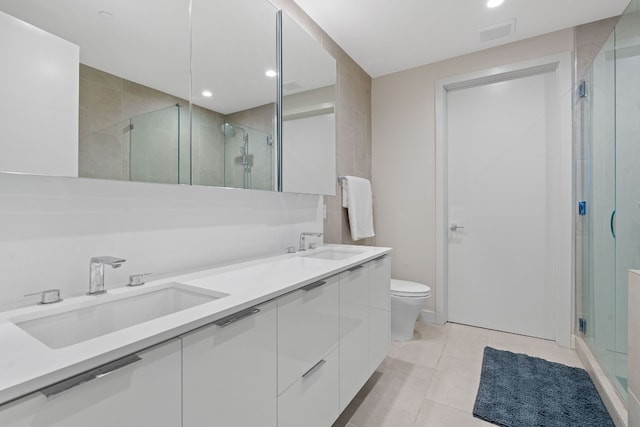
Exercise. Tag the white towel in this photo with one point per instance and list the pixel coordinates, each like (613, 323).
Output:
(357, 198)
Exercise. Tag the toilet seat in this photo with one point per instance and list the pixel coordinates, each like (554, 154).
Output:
(404, 288)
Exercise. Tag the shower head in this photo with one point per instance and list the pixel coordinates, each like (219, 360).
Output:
(230, 131)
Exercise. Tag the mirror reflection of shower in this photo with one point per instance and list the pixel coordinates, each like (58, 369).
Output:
(229, 131)
(248, 154)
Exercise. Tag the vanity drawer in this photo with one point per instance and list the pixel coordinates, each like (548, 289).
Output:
(138, 390)
(308, 327)
(380, 282)
(379, 310)
(354, 332)
(229, 371)
(312, 401)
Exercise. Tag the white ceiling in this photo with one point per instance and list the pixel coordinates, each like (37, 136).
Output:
(147, 42)
(385, 36)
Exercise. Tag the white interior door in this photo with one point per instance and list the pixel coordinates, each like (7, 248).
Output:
(502, 167)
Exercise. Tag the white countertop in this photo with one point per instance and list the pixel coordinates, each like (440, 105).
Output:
(27, 365)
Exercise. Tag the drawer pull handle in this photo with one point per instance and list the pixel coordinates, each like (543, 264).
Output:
(380, 258)
(96, 373)
(314, 368)
(357, 267)
(226, 321)
(314, 285)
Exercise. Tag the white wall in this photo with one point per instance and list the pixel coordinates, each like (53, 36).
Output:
(309, 155)
(51, 227)
(39, 94)
(403, 151)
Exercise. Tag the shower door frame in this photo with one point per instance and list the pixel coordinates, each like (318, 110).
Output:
(564, 274)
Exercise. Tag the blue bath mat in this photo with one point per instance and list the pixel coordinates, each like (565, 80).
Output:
(517, 390)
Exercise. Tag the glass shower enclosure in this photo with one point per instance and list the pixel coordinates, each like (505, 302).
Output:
(176, 144)
(608, 227)
(248, 157)
(155, 150)
(229, 155)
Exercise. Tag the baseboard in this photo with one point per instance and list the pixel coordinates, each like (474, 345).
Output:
(612, 401)
(427, 316)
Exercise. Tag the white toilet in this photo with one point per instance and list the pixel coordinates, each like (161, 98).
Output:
(407, 301)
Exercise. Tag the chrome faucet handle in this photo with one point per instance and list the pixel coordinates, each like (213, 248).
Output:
(303, 236)
(290, 250)
(137, 279)
(313, 245)
(48, 296)
(112, 261)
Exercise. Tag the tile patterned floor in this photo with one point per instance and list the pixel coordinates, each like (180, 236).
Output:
(432, 380)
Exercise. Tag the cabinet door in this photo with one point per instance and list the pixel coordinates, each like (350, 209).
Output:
(354, 332)
(138, 392)
(308, 329)
(379, 299)
(229, 372)
(312, 401)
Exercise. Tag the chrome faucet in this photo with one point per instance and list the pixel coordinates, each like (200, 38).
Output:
(303, 237)
(96, 272)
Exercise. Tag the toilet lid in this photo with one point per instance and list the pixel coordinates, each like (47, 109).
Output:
(405, 288)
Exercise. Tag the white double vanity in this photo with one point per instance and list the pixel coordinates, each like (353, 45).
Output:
(284, 341)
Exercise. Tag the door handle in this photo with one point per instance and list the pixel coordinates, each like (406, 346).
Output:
(454, 227)
(612, 223)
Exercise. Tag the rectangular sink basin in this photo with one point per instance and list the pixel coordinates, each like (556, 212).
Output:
(111, 313)
(334, 254)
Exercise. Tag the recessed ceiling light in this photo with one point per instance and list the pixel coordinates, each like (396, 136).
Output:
(494, 3)
(270, 73)
(105, 15)
(207, 93)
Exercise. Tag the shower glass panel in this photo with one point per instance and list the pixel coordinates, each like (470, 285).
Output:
(627, 221)
(156, 154)
(611, 242)
(599, 145)
(249, 157)
(207, 147)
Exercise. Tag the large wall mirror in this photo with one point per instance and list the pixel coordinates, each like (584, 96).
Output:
(234, 93)
(172, 97)
(308, 113)
(134, 82)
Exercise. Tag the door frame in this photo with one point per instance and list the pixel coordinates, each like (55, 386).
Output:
(563, 273)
